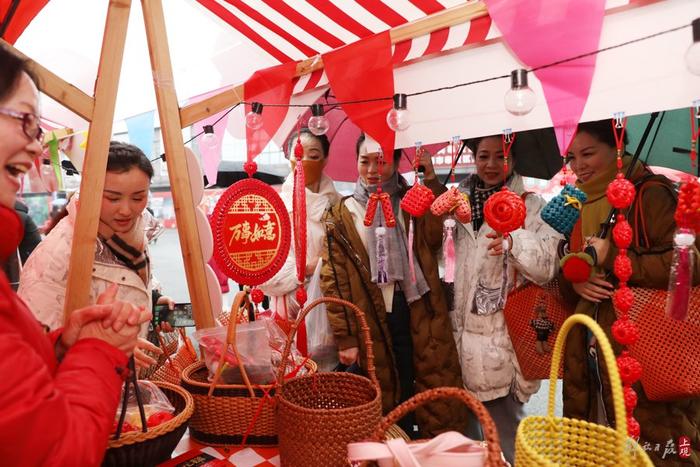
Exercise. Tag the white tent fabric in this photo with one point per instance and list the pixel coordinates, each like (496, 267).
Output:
(207, 53)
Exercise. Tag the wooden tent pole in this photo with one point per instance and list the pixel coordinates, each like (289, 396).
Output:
(443, 19)
(95, 165)
(177, 165)
(53, 86)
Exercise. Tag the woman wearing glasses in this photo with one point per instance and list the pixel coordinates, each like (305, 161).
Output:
(59, 392)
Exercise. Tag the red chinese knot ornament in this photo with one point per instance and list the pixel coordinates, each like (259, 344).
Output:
(625, 332)
(688, 209)
(505, 211)
(622, 267)
(257, 296)
(620, 192)
(623, 299)
(622, 232)
(251, 232)
(630, 369)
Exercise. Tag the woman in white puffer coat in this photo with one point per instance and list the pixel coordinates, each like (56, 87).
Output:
(320, 193)
(489, 367)
(121, 253)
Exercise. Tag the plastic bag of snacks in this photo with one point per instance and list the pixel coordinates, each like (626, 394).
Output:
(252, 349)
(156, 406)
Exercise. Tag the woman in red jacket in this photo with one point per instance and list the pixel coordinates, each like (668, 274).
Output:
(58, 392)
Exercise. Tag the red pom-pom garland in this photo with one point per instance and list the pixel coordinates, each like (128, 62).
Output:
(621, 193)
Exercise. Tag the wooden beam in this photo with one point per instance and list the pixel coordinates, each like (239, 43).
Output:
(177, 165)
(58, 89)
(95, 165)
(443, 19)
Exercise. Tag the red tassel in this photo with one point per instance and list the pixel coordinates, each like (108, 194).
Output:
(299, 216)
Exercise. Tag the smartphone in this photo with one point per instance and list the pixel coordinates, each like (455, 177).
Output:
(179, 317)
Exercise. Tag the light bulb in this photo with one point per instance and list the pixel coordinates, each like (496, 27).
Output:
(209, 138)
(398, 118)
(253, 119)
(692, 55)
(318, 123)
(520, 99)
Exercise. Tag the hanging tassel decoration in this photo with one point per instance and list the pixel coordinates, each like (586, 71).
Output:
(299, 217)
(621, 193)
(448, 249)
(382, 256)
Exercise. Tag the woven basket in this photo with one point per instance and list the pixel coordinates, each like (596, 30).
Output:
(553, 441)
(232, 414)
(168, 343)
(319, 414)
(668, 349)
(157, 444)
(520, 310)
(493, 445)
(171, 370)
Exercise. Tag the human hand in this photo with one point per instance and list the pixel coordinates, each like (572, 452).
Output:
(426, 160)
(496, 246)
(141, 358)
(348, 356)
(595, 290)
(165, 300)
(120, 329)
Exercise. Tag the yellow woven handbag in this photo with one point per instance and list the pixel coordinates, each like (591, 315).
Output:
(553, 441)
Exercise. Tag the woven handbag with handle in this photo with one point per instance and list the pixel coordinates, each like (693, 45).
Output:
(450, 449)
(534, 314)
(668, 349)
(319, 414)
(553, 441)
(232, 414)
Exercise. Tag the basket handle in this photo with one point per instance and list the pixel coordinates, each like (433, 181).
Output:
(364, 329)
(240, 302)
(493, 445)
(613, 373)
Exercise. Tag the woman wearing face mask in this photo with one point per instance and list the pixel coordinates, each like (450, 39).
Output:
(58, 392)
(409, 325)
(592, 157)
(489, 366)
(121, 255)
(320, 193)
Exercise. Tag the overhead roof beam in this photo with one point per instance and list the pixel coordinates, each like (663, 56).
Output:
(58, 89)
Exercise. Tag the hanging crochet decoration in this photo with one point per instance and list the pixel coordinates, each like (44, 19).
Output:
(562, 211)
(419, 197)
(505, 212)
(416, 202)
(453, 202)
(687, 219)
(620, 194)
(299, 217)
(379, 198)
(251, 230)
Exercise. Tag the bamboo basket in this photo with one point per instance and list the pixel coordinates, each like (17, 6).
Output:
(319, 414)
(232, 414)
(553, 441)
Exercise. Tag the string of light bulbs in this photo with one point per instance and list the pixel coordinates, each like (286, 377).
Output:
(519, 100)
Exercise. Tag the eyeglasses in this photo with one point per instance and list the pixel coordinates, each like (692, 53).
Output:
(30, 123)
